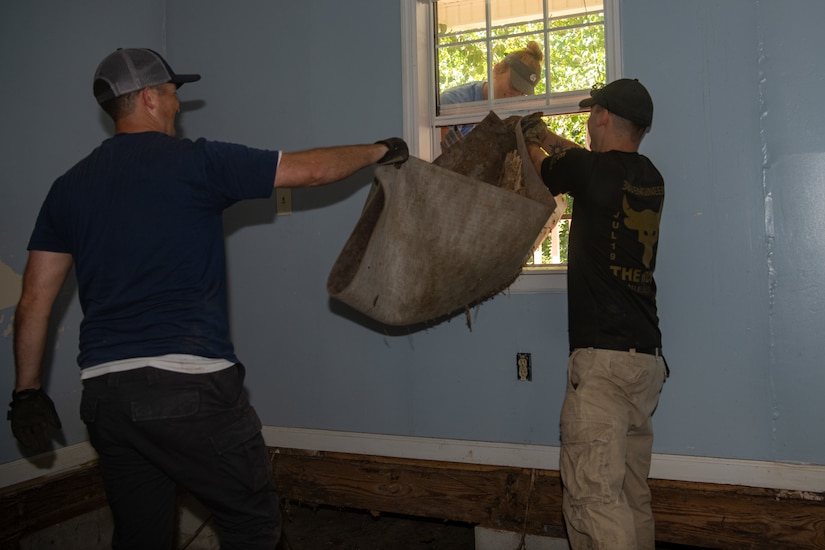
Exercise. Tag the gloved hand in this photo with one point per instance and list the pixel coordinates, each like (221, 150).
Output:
(32, 416)
(534, 129)
(398, 152)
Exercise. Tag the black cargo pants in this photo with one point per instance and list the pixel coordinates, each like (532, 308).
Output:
(155, 429)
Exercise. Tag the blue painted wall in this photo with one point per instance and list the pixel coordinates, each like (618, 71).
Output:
(740, 139)
(738, 135)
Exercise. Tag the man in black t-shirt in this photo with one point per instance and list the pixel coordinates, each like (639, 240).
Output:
(616, 369)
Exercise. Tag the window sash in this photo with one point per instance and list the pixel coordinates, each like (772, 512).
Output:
(419, 86)
(474, 29)
(422, 125)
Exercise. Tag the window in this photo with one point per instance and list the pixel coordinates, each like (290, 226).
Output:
(453, 42)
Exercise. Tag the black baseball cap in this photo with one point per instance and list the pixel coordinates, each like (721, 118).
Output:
(130, 69)
(625, 97)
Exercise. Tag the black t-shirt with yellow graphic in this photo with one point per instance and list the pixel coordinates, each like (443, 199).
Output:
(614, 235)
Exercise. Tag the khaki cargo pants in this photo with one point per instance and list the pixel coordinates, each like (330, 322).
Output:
(607, 440)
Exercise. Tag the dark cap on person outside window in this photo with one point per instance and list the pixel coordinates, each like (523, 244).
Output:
(625, 97)
(130, 69)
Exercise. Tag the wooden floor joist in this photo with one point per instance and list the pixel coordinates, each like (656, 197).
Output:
(517, 499)
(34, 505)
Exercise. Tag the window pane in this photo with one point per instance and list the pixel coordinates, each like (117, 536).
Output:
(461, 63)
(464, 14)
(571, 39)
(577, 54)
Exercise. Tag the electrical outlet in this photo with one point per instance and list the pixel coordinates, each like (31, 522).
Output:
(283, 196)
(524, 366)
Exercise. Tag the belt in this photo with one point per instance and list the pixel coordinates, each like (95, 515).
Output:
(649, 351)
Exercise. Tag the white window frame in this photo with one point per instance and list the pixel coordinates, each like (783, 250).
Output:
(421, 133)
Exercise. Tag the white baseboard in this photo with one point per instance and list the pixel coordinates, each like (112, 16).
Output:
(46, 464)
(805, 478)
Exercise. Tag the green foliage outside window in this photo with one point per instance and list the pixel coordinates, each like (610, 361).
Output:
(575, 52)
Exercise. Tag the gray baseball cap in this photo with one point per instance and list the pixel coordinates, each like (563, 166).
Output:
(130, 69)
(522, 77)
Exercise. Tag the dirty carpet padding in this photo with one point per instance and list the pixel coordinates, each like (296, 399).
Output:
(431, 242)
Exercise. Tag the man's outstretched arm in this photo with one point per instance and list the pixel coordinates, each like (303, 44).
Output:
(330, 164)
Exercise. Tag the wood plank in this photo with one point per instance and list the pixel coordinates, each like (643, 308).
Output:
(520, 499)
(730, 516)
(500, 497)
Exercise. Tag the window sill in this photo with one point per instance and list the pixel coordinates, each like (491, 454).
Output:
(536, 280)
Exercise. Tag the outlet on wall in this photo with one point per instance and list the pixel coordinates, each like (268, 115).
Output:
(283, 196)
(524, 366)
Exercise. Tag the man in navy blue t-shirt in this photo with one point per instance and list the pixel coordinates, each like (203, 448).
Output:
(140, 219)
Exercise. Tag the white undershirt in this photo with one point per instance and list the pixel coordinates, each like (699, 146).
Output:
(175, 362)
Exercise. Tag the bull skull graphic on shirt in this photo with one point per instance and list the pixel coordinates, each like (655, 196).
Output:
(646, 224)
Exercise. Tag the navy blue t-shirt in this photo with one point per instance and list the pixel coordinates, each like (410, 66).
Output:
(142, 218)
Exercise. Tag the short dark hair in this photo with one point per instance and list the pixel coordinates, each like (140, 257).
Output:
(120, 106)
(633, 129)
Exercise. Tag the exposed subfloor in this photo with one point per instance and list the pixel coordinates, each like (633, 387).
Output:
(304, 528)
(322, 528)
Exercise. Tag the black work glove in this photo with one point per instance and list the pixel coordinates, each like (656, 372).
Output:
(534, 129)
(32, 415)
(398, 152)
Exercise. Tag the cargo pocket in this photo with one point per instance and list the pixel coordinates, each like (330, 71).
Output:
(628, 372)
(241, 447)
(583, 461)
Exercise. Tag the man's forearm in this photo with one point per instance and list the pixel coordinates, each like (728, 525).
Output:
(555, 144)
(537, 156)
(42, 280)
(340, 162)
(30, 333)
(325, 165)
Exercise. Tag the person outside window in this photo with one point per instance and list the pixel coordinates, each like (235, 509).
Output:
(515, 75)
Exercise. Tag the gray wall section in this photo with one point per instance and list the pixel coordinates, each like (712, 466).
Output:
(737, 135)
(794, 182)
(701, 62)
(741, 143)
